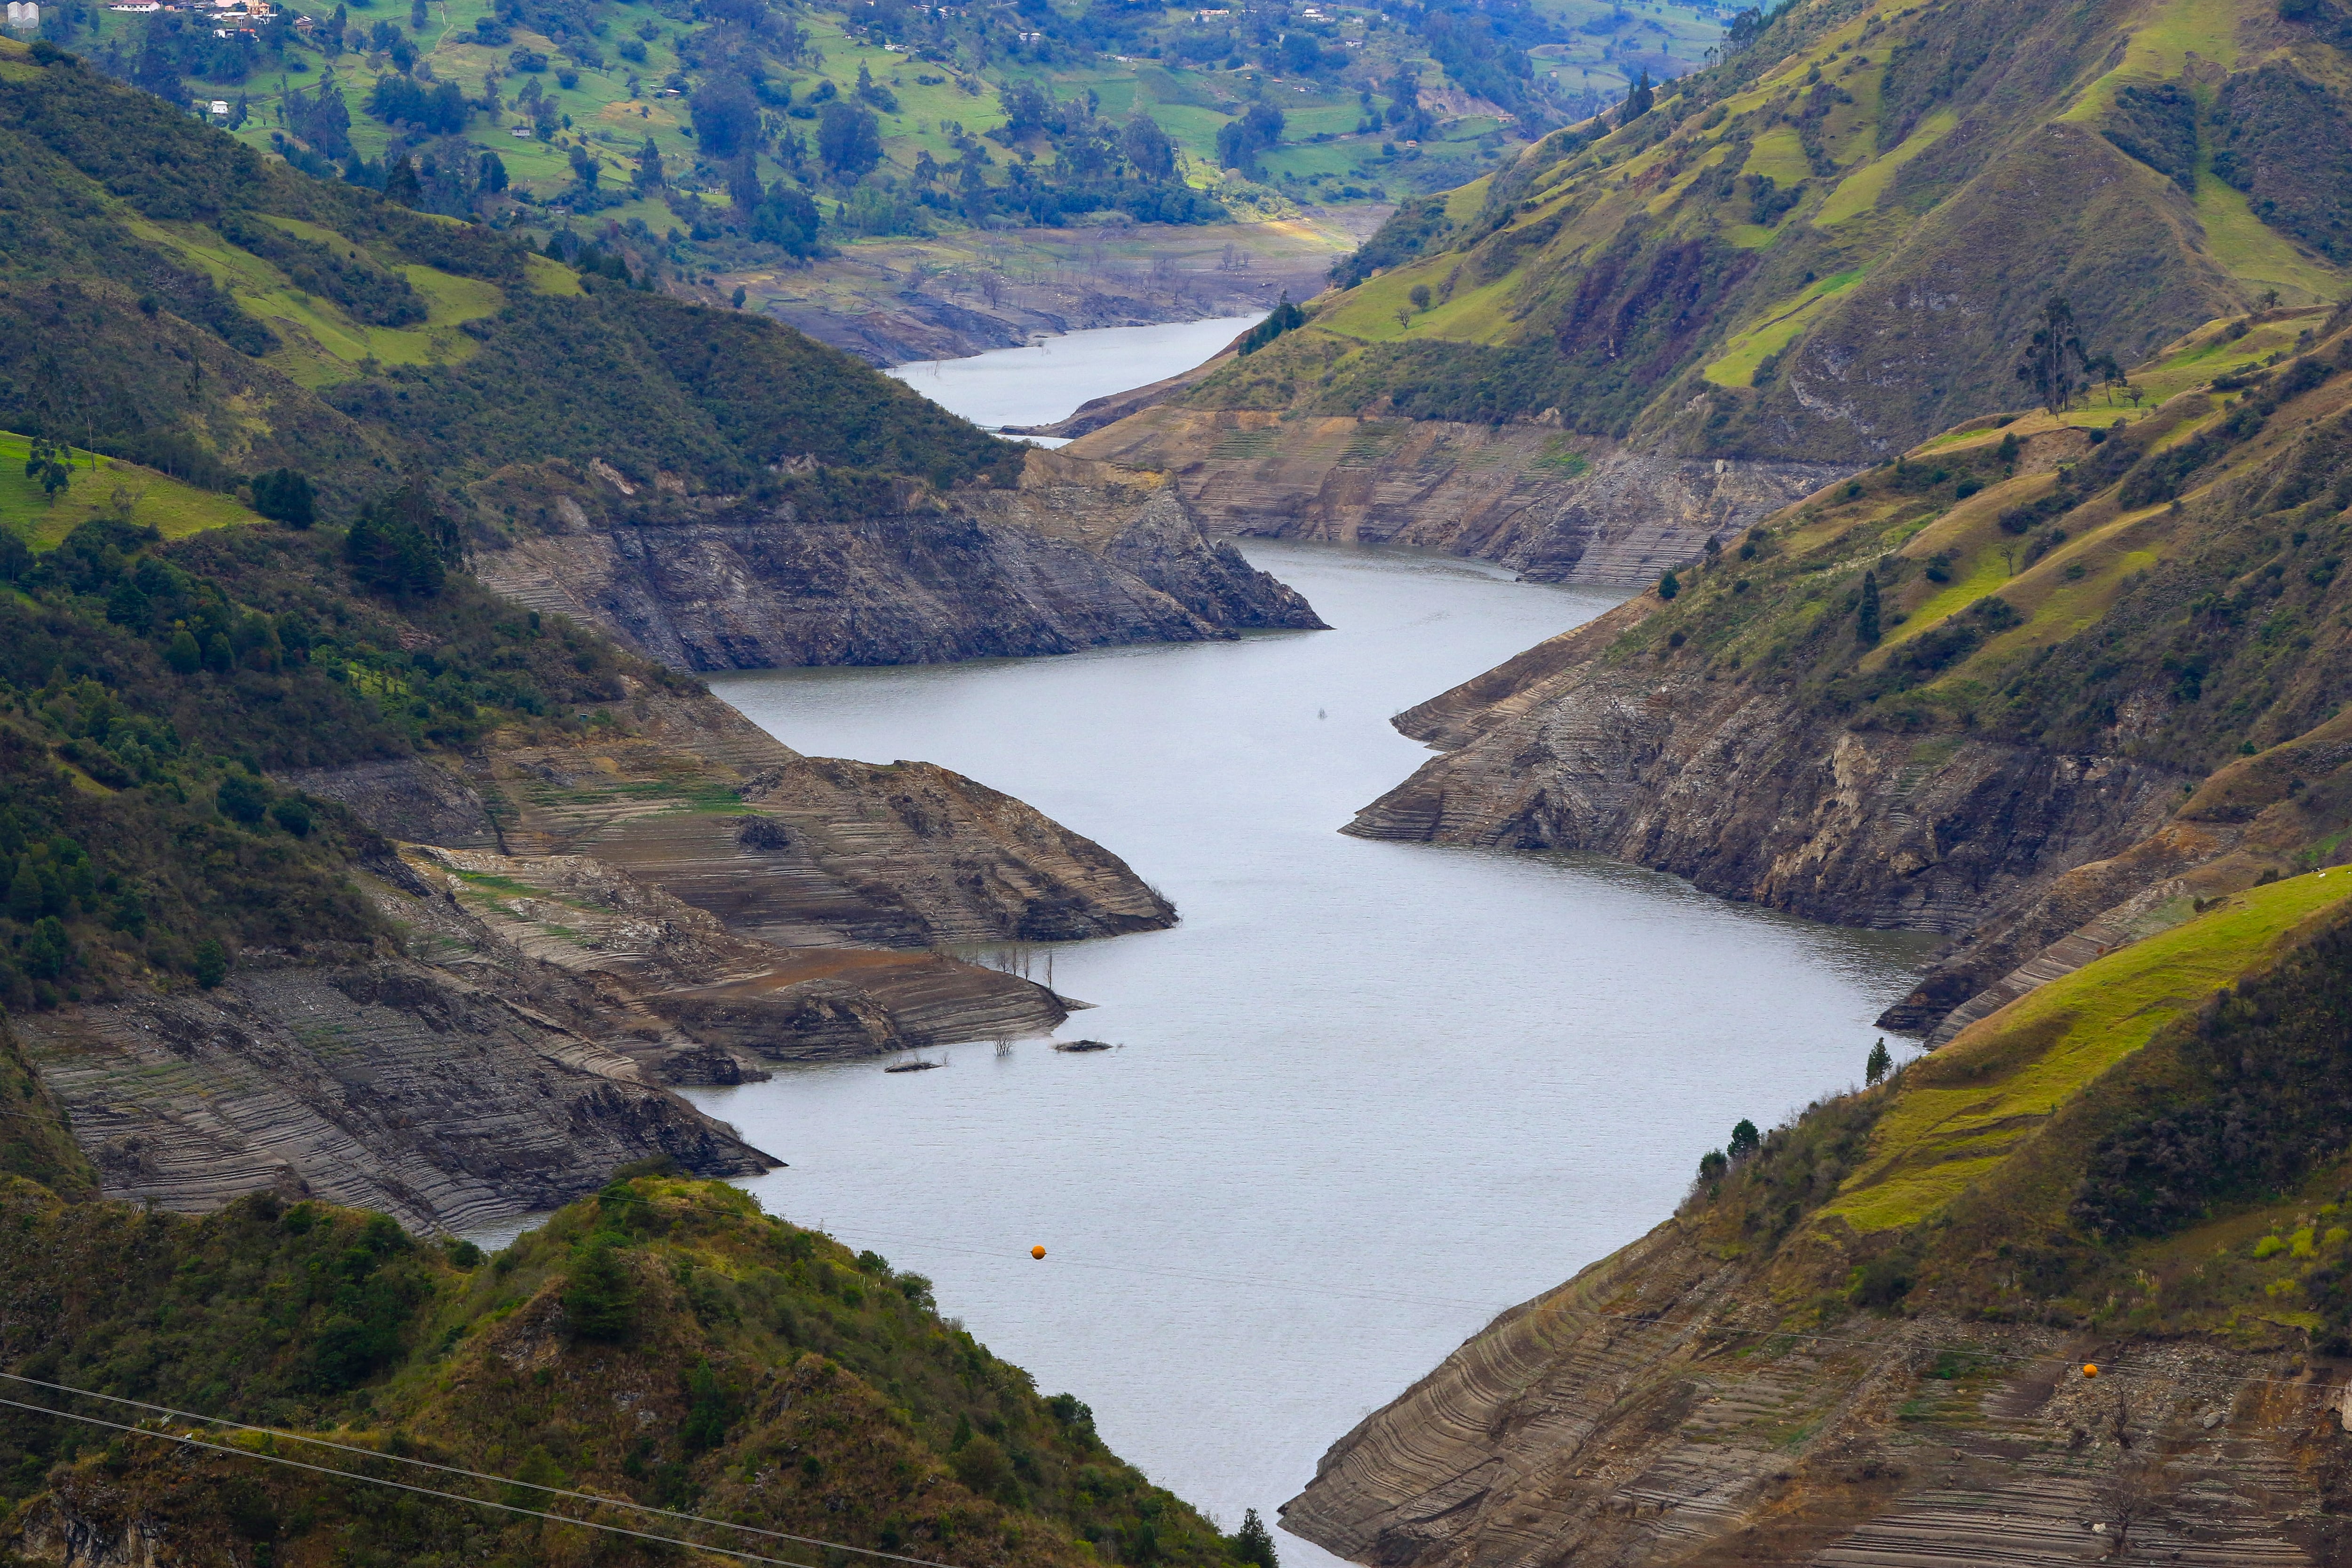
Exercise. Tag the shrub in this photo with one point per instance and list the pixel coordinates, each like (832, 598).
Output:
(599, 1299)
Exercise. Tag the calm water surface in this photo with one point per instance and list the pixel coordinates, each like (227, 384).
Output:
(1368, 1094)
(1047, 380)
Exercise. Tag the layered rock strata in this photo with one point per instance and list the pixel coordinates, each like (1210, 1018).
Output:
(1077, 556)
(444, 1092)
(1549, 504)
(670, 897)
(1737, 787)
(1644, 1414)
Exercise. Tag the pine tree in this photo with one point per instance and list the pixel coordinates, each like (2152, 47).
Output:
(1879, 1063)
(1865, 619)
(1640, 96)
(1253, 1542)
(1745, 1140)
(1668, 586)
(2054, 357)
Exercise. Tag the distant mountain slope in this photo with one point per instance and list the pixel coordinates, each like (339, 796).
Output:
(171, 296)
(1836, 242)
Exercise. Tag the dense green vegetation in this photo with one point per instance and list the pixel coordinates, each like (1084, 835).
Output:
(162, 284)
(151, 692)
(663, 1342)
(729, 137)
(1722, 267)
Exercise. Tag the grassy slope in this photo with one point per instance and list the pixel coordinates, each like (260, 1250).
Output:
(2149, 1142)
(1964, 1110)
(1191, 101)
(121, 203)
(147, 498)
(664, 1343)
(1953, 179)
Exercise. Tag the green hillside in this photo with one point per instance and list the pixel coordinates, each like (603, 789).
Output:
(96, 487)
(663, 1344)
(2153, 1141)
(175, 299)
(983, 119)
(1836, 242)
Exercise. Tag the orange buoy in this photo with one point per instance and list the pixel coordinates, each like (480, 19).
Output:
(1037, 1252)
(2090, 1370)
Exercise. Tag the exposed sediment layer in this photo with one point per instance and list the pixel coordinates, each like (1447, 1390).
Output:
(1644, 1414)
(1738, 788)
(672, 898)
(1549, 504)
(389, 1084)
(1078, 556)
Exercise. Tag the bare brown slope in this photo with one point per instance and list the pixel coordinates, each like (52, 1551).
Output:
(1077, 555)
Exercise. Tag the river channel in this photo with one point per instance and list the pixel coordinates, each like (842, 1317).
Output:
(1047, 380)
(1365, 1095)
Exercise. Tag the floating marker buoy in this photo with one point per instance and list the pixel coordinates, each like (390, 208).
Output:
(1038, 1253)
(2089, 1370)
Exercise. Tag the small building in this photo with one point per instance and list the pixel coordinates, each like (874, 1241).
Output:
(220, 108)
(24, 15)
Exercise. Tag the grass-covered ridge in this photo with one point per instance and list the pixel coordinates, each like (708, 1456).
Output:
(1833, 244)
(174, 299)
(663, 1342)
(2155, 1139)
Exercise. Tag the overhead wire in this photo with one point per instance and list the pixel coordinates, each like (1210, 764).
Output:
(189, 1440)
(353, 1448)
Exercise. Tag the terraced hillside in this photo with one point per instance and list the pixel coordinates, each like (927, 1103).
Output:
(1822, 251)
(2072, 1288)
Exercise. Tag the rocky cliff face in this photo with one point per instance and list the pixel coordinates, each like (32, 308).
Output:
(672, 898)
(450, 1090)
(1553, 505)
(1743, 789)
(1646, 1413)
(1077, 556)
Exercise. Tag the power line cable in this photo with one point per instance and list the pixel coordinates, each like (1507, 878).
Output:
(191, 1441)
(460, 1470)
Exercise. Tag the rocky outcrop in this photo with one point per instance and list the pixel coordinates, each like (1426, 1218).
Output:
(1647, 1413)
(1077, 556)
(391, 1085)
(1549, 504)
(666, 897)
(690, 1000)
(1738, 786)
(690, 797)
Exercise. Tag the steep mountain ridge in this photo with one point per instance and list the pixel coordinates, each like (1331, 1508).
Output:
(2029, 1302)
(1821, 251)
(172, 297)
(2072, 624)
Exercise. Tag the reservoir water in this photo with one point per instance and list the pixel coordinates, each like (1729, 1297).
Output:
(1047, 380)
(1367, 1094)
